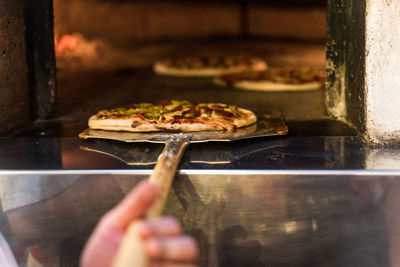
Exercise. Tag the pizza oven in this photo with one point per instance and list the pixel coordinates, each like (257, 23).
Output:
(131, 39)
(324, 195)
(136, 34)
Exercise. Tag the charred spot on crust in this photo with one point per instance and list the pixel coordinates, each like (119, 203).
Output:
(135, 124)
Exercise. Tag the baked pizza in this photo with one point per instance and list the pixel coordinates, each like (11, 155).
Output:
(172, 116)
(208, 66)
(275, 79)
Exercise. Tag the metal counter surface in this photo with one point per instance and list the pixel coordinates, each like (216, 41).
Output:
(300, 154)
(286, 201)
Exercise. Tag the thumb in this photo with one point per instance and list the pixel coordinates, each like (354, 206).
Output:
(134, 205)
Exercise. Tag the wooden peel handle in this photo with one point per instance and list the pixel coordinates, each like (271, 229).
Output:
(164, 172)
(131, 252)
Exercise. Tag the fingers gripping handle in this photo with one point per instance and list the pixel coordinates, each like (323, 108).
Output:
(131, 251)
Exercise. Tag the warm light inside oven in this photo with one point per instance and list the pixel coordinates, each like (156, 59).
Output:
(119, 34)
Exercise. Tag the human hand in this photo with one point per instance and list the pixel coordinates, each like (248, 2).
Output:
(163, 241)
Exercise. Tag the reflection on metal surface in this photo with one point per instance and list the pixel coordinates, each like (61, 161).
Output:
(22, 190)
(277, 154)
(281, 201)
(209, 162)
(270, 221)
(130, 155)
(145, 154)
(238, 220)
(291, 226)
(314, 225)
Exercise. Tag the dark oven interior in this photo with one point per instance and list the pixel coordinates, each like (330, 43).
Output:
(104, 51)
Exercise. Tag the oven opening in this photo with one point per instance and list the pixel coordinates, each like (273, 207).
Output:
(105, 51)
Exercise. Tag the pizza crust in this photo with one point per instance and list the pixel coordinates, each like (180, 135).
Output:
(270, 86)
(249, 118)
(126, 125)
(120, 125)
(163, 69)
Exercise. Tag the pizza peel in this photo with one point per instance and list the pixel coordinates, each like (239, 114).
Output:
(131, 253)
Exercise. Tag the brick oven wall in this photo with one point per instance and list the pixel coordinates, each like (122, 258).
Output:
(124, 22)
(14, 93)
(27, 65)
